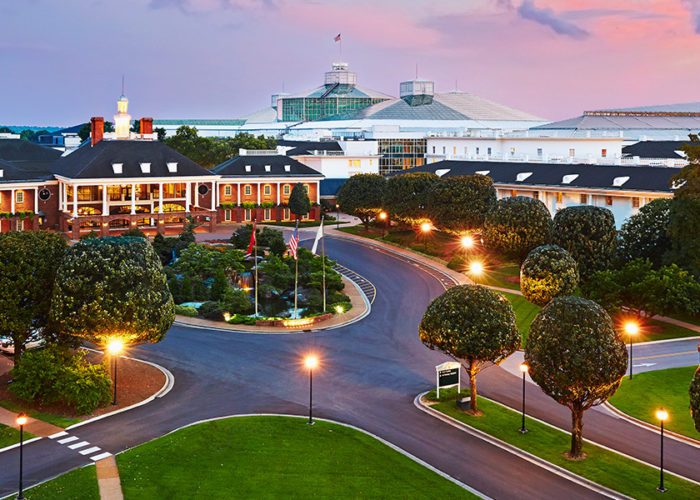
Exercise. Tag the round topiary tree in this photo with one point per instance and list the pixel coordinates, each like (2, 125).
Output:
(459, 204)
(588, 234)
(548, 271)
(516, 226)
(406, 196)
(577, 357)
(645, 234)
(695, 399)
(362, 195)
(112, 287)
(472, 323)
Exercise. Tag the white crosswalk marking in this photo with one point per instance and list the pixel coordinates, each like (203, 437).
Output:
(100, 456)
(90, 451)
(68, 440)
(58, 435)
(78, 445)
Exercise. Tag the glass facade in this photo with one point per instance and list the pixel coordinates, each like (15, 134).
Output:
(400, 154)
(315, 108)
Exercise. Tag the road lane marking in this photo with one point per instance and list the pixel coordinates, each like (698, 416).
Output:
(90, 451)
(58, 435)
(100, 456)
(78, 445)
(68, 440)
(665, 355)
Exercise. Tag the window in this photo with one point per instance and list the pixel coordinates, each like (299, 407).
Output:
(227, 215)
(285, 214)
(268, 190)
(584, 199)
(572, 152)
(227, 190)
(539, 151)
(560, 197)
(512, 151)
(19, 197)
(608, 200)
(514, 193)
(248, 190)
(488, 151)
(246, 214)
(635, 202)
(604, 153)
(349, 163)
(477, 150)
(433, 149)
(536, 195)
(454, 150)
(285, 189)
(444, 150)
(306, 187)
(267, 214)
(355, 163)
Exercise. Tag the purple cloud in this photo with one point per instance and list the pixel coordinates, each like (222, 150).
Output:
(693, 7)
(546, 17)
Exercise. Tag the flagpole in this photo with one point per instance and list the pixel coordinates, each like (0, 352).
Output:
(296, 273)
(255, 249)
(323, 260)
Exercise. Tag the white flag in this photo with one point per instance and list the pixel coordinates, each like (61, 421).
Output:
(319, 235)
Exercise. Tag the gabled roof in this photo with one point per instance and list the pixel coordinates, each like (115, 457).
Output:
(236, 167)
(637, 178)
(96, 162)
(339, 91)
(13, 173)
(306, 147)
(27, 155)
(68, 130)
(655, 149)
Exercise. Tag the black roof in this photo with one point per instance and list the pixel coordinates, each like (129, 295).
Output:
(641, 178)
(655, 149)
(27, 155)
(68, 130)
(236, 167)
(305, 147)
(95, 162)
(13, 173)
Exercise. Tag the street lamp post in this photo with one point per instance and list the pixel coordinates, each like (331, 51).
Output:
(632, 329)
(425, 228)
(21, 421)
(523, 368)
(114, 347)
(385, 219)
(337, 218)
(661, 415)
(467, 242)
(476, 268)
(311, 362)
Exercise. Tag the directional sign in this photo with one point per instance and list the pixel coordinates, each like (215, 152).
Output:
(448, 375)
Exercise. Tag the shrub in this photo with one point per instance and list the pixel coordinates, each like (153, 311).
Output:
(186, 311)
(695, 399)
(548, 271)
(53, 375)
(458, 262)
(406, 196)
(644, 235)
(362, 195)
(91, 234)
(459, 204)
(136, 232)
(235, 300)
(212, 311)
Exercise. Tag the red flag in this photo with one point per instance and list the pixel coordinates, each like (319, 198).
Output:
(252, 242)
(337, 38)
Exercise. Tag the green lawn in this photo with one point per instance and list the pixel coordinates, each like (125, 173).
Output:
(58, 420)
(78, 484)
(10, 435)
(604, 467)
(525, 312)
(646, 392)
(668, 331)
(495, 276)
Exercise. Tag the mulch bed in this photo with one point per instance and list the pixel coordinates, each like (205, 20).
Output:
(135, 382)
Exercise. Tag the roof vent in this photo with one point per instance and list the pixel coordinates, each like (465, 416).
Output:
(247, 168)
(619, 181)
(417, 92)
(287, 168)
(118, 168)
(568, 179)
(267, 168)
(522, 176)
(441, 171)
(172, 167)
(146, 168)
(482, 172)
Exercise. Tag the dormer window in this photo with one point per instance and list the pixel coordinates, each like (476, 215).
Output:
(619, 181)
(172, 167)
(247, 168)
(568, 179)
(267, 168)
(287, 168)
(482, 172)
(118, 168)
(2, 173)
(441, 171)
(522, 176)
(146, 168)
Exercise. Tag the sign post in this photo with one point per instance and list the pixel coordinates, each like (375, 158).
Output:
(448, 375)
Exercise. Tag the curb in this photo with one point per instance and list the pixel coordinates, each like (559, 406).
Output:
(666, 341)
(646, 425)
(16, 445)
(555, 469)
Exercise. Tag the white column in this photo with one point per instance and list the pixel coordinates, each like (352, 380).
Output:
(259, 193)
(65, 198)
(75, 201)
(105, 208)
(60, 196)
(12, 201)
(238, 200)
(213, 195)
(188, 196)
(279, 186)
(160, 197)
(133, 199)
(196, 194)
(36, 200)
(318, 193)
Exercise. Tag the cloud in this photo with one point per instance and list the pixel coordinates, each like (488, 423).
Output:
(204, 6)
(546, 17)
(693, 7)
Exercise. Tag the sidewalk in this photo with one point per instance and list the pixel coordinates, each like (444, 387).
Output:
(33, 426)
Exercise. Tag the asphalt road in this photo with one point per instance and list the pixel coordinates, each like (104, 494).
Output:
(370, 372)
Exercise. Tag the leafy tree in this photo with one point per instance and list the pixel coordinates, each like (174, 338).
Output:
(160, 131)
(219, 285)
(695, 399)
(32, 135)
(199, 289)
(28, 264)
(576, 356)
(362, 195)
(683, 229)
(109, 127)
(548, 271)
(472, 323)
(196, 260)
(516, 226)
(134, 231)
(186, 294)
(272, 239)
(5, 130)
(299, 203)
(135, 126)
(406, 196)
(459, 204)
(645, 234)
(688, 179)
(164, 247)
(588, 234)
(112, 287)
(236, 301)
(276, 272)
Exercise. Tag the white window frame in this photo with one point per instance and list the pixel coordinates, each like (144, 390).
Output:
(247, 190)
(227, 190)
(19, 197)
(267, 190)
(227, 215)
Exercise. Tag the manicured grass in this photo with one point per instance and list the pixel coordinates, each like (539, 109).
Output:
(495, 276)
(58, 420)
(78, 484)
(604, 467)
(274, 457)
(525, 312)
(646, 392)
(10, 435)
(663, 331)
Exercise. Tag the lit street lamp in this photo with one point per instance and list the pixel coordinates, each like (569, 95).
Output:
(467, 241)
(632, 329)
(523, 368)
(383, 217)
(21, 421)
(476, 269)
(425, 228)
(337, 213)
(661, 415)
(114, 347)
(311, 362)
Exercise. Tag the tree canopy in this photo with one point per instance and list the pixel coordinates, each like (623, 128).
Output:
(299, 203)
(688, 179)
(695, 399)
(548, 271)
(112, 287)
(516, 226)
(577, 357)
(683, 229)
(362, 195)
(472, 323)
(28, 264)
(406, 196)
(460, 204)
(644, 235)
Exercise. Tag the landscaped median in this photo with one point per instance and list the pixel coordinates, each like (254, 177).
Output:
(606, 468)
(261, 457)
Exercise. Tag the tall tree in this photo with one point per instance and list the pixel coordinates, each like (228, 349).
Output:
(472, 323)
(112, 287)
(460, 204)
(688, 179)
(406, 196)
(645, 234)
(28, 264)
(548, 271)
(362, 195)
(516, 226)
(299, 203)
(577, 357)
(683, 229)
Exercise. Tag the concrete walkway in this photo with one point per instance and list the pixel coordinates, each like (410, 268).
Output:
(108, 479)
(33, 426)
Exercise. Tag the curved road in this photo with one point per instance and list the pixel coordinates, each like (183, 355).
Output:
(370, 373)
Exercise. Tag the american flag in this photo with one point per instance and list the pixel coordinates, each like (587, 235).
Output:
(337, 38)
(293, 242)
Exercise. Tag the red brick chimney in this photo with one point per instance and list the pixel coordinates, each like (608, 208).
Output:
(97, 129)
(146, 126)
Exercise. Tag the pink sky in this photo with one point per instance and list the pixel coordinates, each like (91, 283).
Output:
(63, 61)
